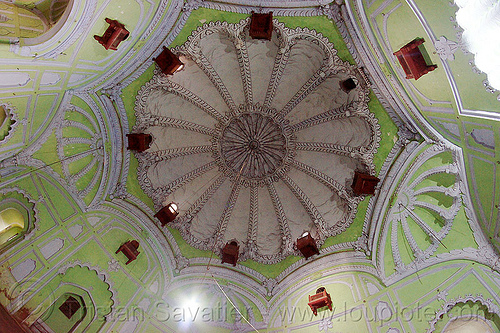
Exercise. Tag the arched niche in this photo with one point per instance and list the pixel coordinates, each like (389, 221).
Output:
(469, 325)
(66, 313)
(82, 281)
(56, 17)
(7, 121)
(464, 315)
(18, 22)
(31, 22)
(49, 313)
(17, 218)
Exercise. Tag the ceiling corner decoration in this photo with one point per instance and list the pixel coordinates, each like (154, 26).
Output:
(255, 140)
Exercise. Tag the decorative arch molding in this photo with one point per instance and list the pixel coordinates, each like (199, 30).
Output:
(301, 279)
(342, 276)
(71, 26)
(20, 199)
(274, 289)
(9, 123)
(101, 274)
(220, 290)
(490, 304)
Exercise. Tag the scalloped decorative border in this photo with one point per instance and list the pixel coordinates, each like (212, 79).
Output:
(447, 306)
(332, 65)
(9, 112)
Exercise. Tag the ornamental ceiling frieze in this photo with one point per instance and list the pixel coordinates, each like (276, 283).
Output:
(255, 140)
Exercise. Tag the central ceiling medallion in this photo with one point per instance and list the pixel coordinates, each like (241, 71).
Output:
(255, 147)
(256, 141)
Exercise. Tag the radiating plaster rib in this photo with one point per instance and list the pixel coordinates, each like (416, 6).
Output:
(84, 170)
(167, 154)
(312, 83)
(416, 251)
(330, 148)
(286, 245)
(214, 77)
(429, 189)
(179, 123)
(163, 192)
(93, 182)
(225, 216)
(244, 63)
(341, 112)
(252, 223)
(195, 208)
(76, 124)
(311, 210)
(277, 73)
(195, 100)
(323, 178)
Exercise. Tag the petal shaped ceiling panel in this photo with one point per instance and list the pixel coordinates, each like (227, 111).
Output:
(252, 136)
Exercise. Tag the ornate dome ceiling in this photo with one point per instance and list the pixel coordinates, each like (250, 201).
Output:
(255, 140)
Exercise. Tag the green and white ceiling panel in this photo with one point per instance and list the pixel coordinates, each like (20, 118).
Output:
(362, 303)
(70, 245)
(426, 216)
(452, 102)
(455, 84)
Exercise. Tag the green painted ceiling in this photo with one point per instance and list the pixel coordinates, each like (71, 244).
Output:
(66, 139)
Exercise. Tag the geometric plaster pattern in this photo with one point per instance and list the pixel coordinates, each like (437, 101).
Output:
(252, 135)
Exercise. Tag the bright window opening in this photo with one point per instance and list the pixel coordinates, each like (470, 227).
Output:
(480, 20)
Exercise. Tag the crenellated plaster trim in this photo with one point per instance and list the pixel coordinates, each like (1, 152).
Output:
(10, 114)
(448, 305)
(103, 275)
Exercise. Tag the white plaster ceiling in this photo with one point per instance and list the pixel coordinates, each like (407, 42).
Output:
(255, 141)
